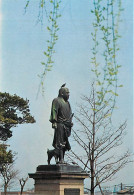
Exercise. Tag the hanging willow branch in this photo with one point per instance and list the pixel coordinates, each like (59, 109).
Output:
(52, 16)
(104, 60)
(53, 29)
(26, 6)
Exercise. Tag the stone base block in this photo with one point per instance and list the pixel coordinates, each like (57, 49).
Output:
(59, 180)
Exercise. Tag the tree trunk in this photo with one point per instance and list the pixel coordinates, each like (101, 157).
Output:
(92, 177)
(5, 190)
(92, 157)
(21, 190)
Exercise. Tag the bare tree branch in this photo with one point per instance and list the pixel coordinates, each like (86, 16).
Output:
(98, 140)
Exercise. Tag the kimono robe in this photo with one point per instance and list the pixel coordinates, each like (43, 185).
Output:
(61, 114)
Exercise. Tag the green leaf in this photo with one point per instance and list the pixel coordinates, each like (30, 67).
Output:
(98, 83)
(118, 66)
(107, 115)
(114, 93)
(48, 28)
(48, 69)
(98, 103)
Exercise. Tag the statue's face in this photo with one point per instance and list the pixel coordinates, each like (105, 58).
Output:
(65, 94)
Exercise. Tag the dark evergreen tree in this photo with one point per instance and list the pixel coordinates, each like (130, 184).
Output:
(14, 110)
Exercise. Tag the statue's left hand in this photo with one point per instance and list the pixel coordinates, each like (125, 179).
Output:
(54, 125)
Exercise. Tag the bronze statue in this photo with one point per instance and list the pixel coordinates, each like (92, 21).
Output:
(61, 119)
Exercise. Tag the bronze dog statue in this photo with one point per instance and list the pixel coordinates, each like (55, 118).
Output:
(53, 153)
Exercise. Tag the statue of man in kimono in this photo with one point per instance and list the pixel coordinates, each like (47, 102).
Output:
(61, 119)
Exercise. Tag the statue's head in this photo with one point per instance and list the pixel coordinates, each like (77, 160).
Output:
(64, 92)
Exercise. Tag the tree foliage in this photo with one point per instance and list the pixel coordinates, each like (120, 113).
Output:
(14, 110)
(6, 156)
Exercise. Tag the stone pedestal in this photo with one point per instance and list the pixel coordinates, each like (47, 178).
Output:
(59, 180)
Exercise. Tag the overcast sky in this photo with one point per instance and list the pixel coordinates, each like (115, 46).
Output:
(21, 51)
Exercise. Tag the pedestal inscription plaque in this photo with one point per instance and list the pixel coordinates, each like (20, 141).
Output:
(72, 191)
